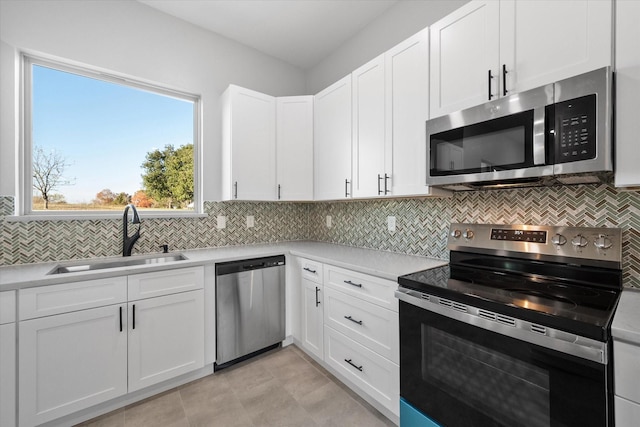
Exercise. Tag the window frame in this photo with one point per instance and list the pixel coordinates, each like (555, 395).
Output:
(24, 194)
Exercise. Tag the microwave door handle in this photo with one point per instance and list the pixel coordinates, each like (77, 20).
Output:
(540, 136)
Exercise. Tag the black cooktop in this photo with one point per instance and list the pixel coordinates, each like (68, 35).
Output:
(572, 298)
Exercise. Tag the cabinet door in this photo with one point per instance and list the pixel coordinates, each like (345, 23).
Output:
(166, 338)
(369, 147)
(332, 141)
(71, 361)
(407, 90)
(464, 49)
(542, 41)
(627, 93)
(294, 151)
(312, 318)
(8, 374)
(249, 145)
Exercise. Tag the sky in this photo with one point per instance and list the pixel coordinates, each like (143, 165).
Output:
(103, 130)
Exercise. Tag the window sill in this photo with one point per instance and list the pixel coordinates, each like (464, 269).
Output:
(61, 216)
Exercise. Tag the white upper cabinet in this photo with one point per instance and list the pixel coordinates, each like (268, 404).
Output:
(627, 94)
(370, 147)
(487, 48)
(542, 41)
(248, 145)
(332, 141)
(407, 109)
(464, 49)
(294, 147)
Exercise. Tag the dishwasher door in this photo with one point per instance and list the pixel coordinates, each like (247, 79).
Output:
(250, 307)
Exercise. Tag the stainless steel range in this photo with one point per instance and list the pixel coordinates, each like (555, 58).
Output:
(515, 331)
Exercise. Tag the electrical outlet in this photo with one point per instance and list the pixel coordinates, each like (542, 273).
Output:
(328, 221)
(221, 221)
(391, 224)
(250, 221)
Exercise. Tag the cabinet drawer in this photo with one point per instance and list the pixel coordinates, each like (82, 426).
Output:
(311, 270)
(626, 368)
(372, 289)
(147, 285)
(370, 325)
(374, 374)
(627, 412)
(55, 299)
(7, 307)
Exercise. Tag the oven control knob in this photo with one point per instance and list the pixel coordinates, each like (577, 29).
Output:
(558, 240)
(468, 234)
(456, 234)
(579, 241)
(603, 242)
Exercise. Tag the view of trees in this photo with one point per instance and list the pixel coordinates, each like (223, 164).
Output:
(48, 174)
(168, 176)
(167, 180)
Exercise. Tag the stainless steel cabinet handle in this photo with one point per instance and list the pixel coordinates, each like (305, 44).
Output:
(120, 318)
(317, 300)
(235, 190)
(346, 187)
(379, 190)
(489, 83)
(278, 191)
(359, 322)
(359, 368)
(504, 80)
(349, 282)
(134, 316)
(309, 270)
(386, 190)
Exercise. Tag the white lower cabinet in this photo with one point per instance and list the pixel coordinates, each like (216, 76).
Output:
(166, 338)
(7, 358)
(71, 361)
(349, 322)
(376, 375)
(312, 317)
(95, 352)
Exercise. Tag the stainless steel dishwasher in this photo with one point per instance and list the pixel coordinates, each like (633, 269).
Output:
(250, 308)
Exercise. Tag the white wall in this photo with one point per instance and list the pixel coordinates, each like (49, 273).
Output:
(402, 20)
(130, 38)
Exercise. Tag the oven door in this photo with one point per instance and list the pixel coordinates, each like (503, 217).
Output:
(458, 374)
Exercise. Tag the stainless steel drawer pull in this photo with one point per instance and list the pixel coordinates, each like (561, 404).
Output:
(309, 270)
(359, 322)
(317, 300)
(359, 368)
(349, 282)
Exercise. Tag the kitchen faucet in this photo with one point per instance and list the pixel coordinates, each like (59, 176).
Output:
(128, 242)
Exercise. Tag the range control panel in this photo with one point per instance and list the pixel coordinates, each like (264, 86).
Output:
(587, 243)
(576, 129)
(534, 236)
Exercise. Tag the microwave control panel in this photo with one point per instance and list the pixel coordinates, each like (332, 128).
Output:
(576, 129)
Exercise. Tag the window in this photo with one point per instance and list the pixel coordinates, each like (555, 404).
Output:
(95, 142)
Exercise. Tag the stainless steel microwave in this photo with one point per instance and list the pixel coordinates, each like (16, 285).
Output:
(558, 133)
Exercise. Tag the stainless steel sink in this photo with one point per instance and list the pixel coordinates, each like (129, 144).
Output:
(124, 262)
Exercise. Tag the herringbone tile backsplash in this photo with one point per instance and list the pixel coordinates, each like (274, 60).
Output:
(421, 224)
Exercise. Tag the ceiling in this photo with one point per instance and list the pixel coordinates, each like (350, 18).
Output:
(299, 32)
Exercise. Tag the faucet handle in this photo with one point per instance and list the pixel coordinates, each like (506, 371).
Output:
(165, 249)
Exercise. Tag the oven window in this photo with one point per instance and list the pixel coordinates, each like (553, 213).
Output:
(495, 384)
(495, 145)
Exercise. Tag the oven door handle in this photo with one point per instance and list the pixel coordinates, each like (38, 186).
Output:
(552, 339)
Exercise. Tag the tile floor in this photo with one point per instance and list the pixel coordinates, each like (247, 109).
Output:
(281, 388)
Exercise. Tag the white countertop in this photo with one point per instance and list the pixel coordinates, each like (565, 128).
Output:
(626, 321)
(387, 265)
